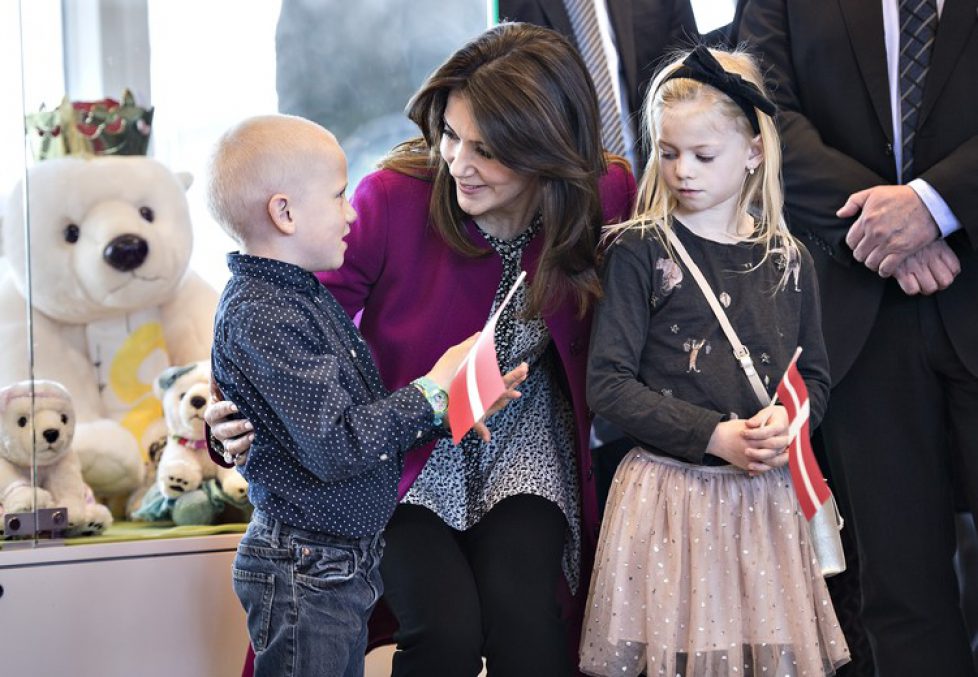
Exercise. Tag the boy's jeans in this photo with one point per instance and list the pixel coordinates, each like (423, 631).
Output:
(307, 596)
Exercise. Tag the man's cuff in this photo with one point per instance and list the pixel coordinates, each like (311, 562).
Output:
(946, 221)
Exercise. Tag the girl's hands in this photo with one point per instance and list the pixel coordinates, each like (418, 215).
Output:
(728, 443)
(767, 436)
(756, 444)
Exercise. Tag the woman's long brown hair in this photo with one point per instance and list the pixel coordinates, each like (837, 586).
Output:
(537, 112)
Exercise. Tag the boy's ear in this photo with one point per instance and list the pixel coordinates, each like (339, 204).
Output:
(280, 212)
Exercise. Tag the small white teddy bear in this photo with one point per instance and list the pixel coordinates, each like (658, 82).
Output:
(185, 463)
(40, 432)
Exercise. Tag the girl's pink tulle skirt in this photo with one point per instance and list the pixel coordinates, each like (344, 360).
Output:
(704, 571)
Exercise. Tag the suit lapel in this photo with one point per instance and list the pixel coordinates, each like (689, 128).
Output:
(557, 16)
(864, 23)
(621, 22)
(955, 26)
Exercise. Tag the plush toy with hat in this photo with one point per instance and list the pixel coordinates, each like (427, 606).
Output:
(100, 243)
(190, 488)
(37, 423)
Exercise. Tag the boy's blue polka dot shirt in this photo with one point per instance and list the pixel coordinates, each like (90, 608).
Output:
(329, 438)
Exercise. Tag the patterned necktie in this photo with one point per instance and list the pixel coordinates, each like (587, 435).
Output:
(918, 26)
(584, 20)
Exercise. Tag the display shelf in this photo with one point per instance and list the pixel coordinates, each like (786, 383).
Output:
(120, 532)
(155, 606)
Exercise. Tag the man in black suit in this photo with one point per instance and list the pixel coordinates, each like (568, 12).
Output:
(898, 271)
(644, 31)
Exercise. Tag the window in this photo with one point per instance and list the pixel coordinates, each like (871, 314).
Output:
(30, 75)
(349, 66)
(211, 65)
(712, 14)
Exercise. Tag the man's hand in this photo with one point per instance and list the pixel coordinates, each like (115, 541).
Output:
(894, 224)
(929, 270)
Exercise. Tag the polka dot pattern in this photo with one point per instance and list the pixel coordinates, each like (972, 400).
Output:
(329, 438)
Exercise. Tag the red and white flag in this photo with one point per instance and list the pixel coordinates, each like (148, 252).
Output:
(810, 486)
(479, 381)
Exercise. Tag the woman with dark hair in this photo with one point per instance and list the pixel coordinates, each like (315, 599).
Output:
(486, 553)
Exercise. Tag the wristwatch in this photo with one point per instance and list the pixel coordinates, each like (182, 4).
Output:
(435, 394)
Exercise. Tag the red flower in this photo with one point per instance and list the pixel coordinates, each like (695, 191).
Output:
(88, 130)
(87, 106)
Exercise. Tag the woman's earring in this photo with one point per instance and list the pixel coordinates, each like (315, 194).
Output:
(750, 170)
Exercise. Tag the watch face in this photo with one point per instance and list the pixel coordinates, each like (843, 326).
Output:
(439, 401)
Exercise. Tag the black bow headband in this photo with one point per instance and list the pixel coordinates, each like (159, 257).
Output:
(703, 67)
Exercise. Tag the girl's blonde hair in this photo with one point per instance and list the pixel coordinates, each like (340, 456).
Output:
(762, 195)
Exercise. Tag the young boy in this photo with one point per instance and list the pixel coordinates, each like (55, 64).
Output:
(329, 440)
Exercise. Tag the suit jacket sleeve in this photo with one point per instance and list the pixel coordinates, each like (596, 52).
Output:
(955, 178)
(529, 11)
(682, 25)
(818, 178)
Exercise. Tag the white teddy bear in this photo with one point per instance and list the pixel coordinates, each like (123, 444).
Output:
(185, 464)
(38, 431)
(113, 302)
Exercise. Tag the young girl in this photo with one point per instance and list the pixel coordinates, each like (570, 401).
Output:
(704, 565)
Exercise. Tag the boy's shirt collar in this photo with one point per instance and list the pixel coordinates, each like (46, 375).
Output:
(285, 275)
(273, 270)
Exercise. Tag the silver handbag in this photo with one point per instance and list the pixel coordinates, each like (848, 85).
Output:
(826, 524)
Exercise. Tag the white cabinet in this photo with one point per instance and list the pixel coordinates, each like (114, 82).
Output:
(138, 608)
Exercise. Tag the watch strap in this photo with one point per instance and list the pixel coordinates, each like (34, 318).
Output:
(436, 396)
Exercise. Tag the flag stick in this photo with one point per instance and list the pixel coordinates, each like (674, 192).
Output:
(794, 359)
(491, 324)
(509, 295)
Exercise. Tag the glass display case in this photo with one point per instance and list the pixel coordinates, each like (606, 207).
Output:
(109, 273)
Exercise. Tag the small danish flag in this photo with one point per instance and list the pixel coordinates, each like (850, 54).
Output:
(810, 486)
(478, 382)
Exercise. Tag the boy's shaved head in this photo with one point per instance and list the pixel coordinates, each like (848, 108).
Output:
(256, 159)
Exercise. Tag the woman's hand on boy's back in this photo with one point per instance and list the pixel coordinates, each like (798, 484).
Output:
(227, 427)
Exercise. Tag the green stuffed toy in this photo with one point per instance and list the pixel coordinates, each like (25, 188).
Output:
(190, 488)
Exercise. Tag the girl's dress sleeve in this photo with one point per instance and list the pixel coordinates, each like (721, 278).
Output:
(813, 364)
(615, 389)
